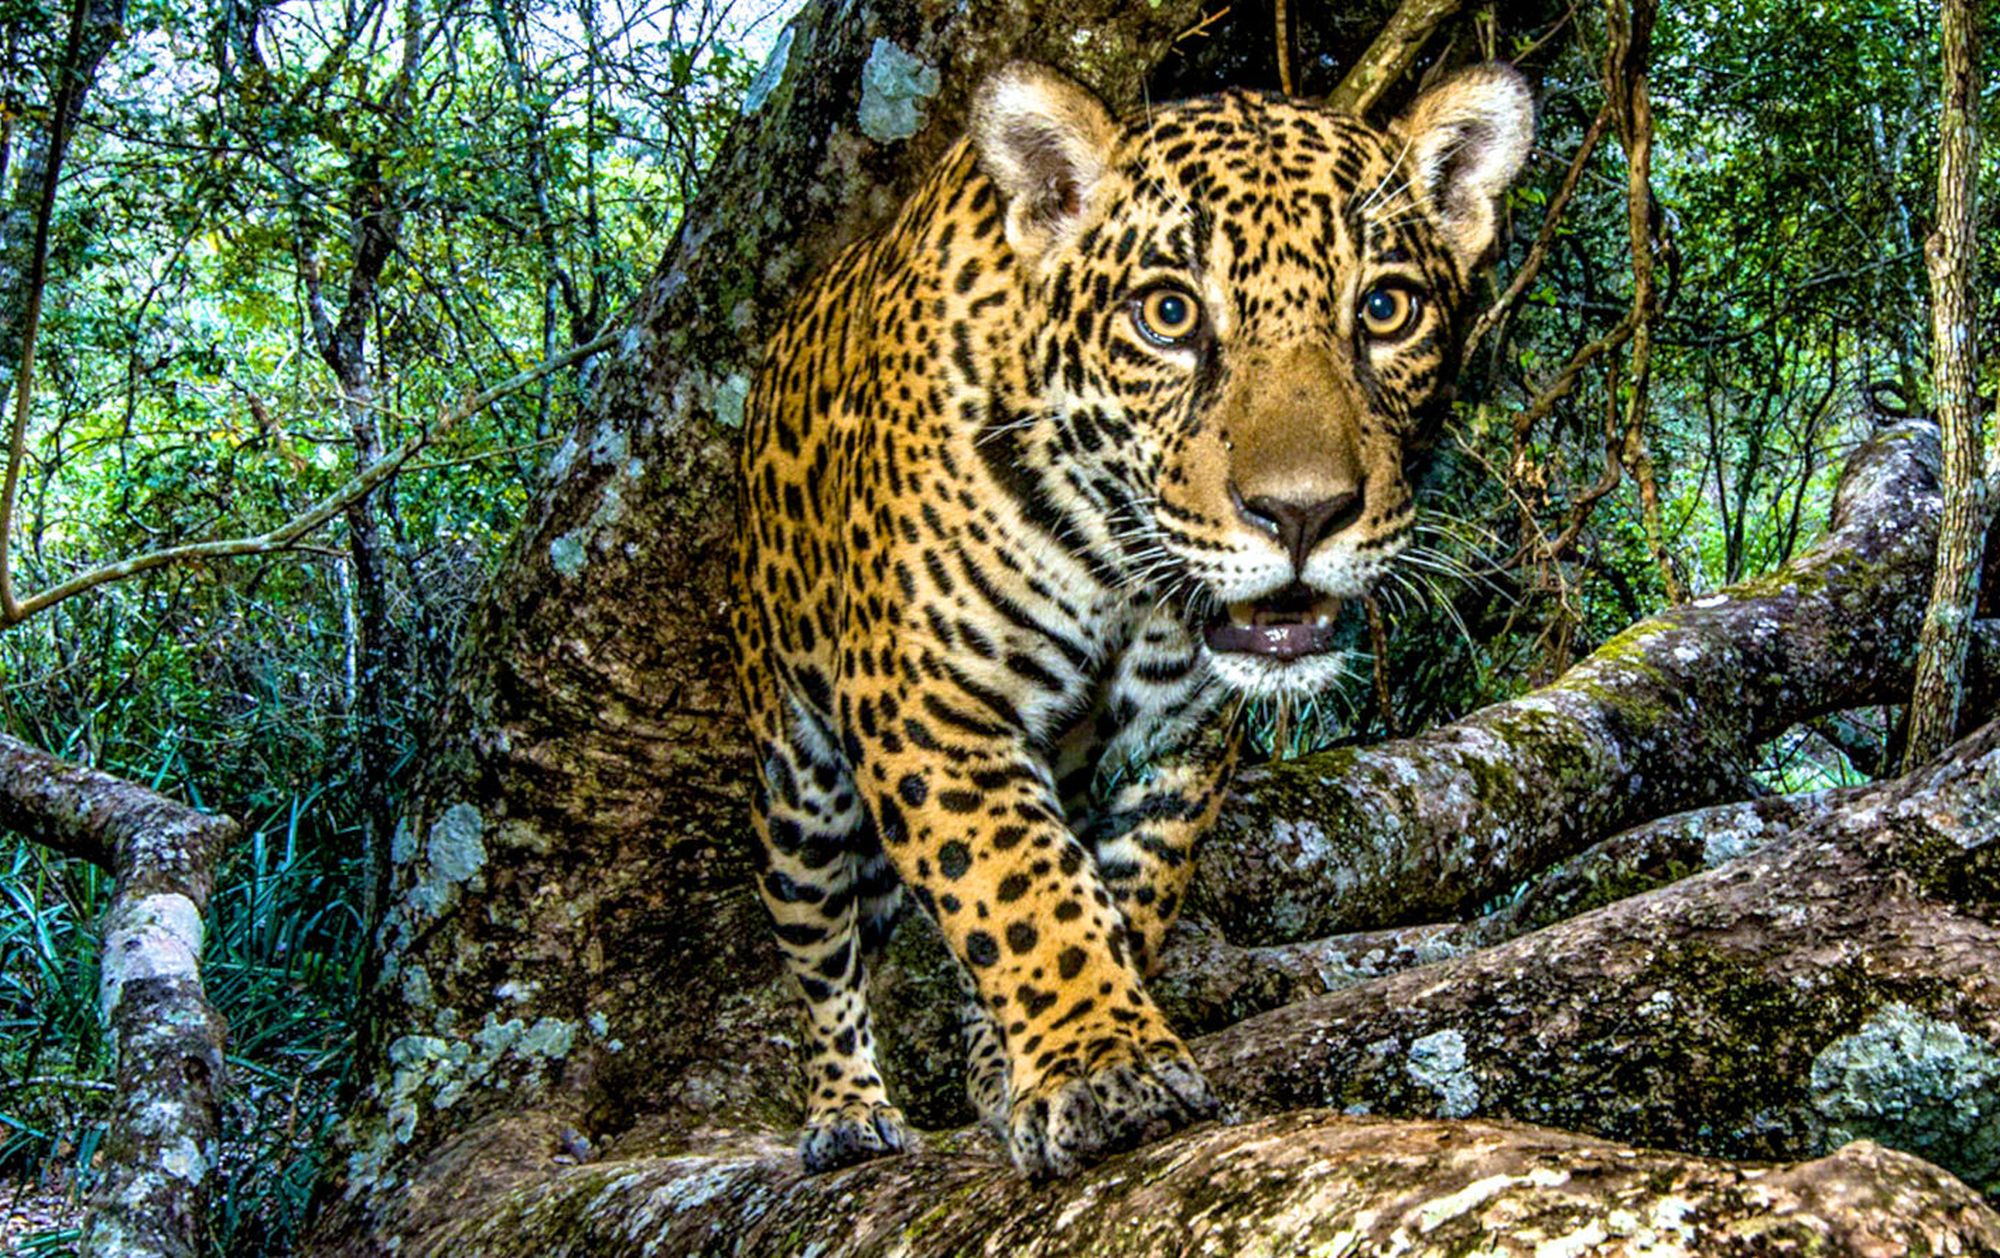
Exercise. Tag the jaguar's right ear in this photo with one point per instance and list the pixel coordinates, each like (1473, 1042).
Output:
(1046, 142)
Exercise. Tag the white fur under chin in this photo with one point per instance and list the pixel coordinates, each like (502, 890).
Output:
(1264, 677)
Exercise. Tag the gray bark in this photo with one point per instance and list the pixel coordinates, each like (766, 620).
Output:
(159, 1158)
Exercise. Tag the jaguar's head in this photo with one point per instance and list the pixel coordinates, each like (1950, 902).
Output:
(1242, 317)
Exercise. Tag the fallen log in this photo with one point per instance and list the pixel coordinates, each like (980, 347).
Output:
(159, 1158)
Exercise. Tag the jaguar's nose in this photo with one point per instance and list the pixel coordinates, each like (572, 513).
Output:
(1300, 524)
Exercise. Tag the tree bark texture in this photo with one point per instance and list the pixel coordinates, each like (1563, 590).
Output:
(575, 973)
(1835, 986)
(1311, 1182)
(1952, 258)
(1837, 983)
(158, 1165)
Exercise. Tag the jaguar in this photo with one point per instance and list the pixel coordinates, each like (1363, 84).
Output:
(1094, 439)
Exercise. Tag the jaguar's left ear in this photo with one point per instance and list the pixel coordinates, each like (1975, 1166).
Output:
(1466, 139)
(1045, 142)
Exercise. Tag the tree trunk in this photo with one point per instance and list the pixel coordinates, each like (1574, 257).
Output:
(1952, 257)
(375, 225)
(580, 826)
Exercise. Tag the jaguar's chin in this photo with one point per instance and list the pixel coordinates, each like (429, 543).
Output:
(1284, 643)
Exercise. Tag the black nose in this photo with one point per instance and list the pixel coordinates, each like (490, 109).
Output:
(1300, 526)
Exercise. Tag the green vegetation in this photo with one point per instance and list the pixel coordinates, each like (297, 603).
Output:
(227, 151)
(502, 179)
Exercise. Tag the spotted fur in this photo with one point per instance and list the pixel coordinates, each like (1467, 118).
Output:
(992, 516)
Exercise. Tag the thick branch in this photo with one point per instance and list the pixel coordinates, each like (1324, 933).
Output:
(1837, 983)
(1312, 1182)
(1211, 983)
(1656, 722)
(159, 1158)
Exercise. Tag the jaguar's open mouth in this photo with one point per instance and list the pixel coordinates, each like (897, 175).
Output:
(1294, 622)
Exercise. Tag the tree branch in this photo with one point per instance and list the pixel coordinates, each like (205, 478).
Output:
(160, 1154)
(1836, 983)
(288, 535)
(1392, 54)
(1312, 1182)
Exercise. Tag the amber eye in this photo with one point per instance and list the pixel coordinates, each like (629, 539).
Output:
(1166, 316)
(1388, 312)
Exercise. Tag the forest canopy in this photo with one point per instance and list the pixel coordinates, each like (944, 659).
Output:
(327, 307)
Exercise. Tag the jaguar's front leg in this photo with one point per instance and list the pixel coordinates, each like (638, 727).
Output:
(1144, 837)
(968, 816)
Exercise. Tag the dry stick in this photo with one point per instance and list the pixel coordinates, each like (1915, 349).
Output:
(286, 536)
(1378, 645)
(1607, 480)
(1952, 258)
(1545, 402)
(1393, 52)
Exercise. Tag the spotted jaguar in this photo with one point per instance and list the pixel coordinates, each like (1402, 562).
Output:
(1095, 437)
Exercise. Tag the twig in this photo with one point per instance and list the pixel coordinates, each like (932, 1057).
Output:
(1281, 19)
(481, 457)
(1378, 640)
(58, 1081)
(1201, 28)
(1531, 266)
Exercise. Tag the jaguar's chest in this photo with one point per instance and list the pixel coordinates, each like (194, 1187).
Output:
(1145, 702)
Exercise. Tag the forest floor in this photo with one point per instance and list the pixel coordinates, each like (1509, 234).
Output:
(34, 1211)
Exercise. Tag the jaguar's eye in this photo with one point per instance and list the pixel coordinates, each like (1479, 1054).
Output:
(1166, 316)
(1388, 311)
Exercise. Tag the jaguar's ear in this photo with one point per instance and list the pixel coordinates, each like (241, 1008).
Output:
(1046, 142)
(1466, 139)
